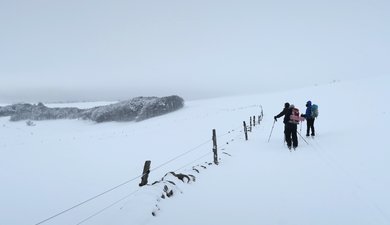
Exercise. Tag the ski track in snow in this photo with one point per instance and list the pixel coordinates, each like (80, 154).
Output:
(361, 194)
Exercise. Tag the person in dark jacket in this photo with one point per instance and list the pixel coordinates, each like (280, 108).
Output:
(309, 119)
(290, 129)
(283, 113)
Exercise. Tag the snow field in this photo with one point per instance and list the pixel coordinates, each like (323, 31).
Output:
(341, 177)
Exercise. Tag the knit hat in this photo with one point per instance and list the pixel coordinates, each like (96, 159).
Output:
(286, 105)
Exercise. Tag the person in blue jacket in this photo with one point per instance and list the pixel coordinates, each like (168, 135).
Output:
(310, 119)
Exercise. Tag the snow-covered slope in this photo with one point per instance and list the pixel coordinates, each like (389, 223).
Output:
(340, 177)
(137, 109)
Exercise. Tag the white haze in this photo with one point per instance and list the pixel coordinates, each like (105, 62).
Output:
(110, 50)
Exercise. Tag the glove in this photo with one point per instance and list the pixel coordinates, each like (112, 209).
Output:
(275, 118)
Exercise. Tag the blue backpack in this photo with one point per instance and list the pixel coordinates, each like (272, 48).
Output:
(314, 111)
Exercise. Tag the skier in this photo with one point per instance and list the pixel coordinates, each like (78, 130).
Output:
(310, 119)
(283, 113)
(290, 125)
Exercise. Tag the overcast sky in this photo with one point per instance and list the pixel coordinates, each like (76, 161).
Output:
(116, 49)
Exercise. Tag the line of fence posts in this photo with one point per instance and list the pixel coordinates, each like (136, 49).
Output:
(146, 170)
(252, 121)
(147, 165)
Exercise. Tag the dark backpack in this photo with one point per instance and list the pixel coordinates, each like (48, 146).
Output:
(314, 111)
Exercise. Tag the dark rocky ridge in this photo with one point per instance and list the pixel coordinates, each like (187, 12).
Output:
(136, 109)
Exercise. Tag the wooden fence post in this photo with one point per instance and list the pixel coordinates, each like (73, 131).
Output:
(254, 121)
(215, 147)
(145, 173)
(250, 124)
(258, 120)
(262, 113)
(246, 131)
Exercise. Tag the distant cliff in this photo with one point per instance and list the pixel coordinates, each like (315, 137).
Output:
(136, 109)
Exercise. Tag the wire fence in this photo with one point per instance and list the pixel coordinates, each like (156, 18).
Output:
(193, 149)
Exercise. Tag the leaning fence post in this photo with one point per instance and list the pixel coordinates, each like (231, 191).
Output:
(145, 173)
(262, 114)
(215, 147)
(246, 131)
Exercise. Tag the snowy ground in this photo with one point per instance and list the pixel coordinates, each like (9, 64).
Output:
(340, 177)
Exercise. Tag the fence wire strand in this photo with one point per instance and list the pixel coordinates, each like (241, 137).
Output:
(106, 208)
(120, 185)
(137, 177)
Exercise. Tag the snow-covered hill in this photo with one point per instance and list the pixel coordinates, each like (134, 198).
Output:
(340, 177)
(137, 109)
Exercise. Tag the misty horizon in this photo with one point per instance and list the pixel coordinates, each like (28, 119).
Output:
(56, 95)
(72, 50)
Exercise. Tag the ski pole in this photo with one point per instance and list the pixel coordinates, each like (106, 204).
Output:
(300, 131)
(271, 131)
(302, 137)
